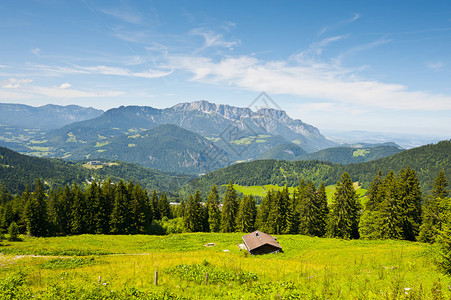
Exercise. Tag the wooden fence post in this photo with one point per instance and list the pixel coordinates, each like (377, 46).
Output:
(156, 278)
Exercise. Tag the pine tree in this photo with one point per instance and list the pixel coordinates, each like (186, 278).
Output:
(92, 199)
(229, 209)
(293, 214)
(343, 218)
(410, 203)
(444, 239)
(276, 215)
(154, 206)
(102, 211)
(323, 210)
(118, 221)
(440, 186)
(63, 210)
(36, 212)
(435, 210)
(246, 215)
(214, 213)
(13, 232)
(389, 220)
(375, 193)
(78, 225)
(137, 209)
(192, 218)
(312, 210)
(369, 221)
(261, 222)
(163, 206)
(21, 208)
(52, 210)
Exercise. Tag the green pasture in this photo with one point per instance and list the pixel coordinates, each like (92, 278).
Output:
(123, 267)
(261, 190)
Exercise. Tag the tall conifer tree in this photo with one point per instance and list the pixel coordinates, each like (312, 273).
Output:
(435, 210)
(214, 213)
(246, 215)
(36, 212)
(229, 209)
(343, 218)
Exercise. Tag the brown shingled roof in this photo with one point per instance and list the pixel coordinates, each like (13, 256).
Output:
(257, 239)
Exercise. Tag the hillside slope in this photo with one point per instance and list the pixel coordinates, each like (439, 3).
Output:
(167, 147)
(427, 161)
(347, 155)
(18, 170)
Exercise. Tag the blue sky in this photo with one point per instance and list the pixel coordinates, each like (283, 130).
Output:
(382, 66)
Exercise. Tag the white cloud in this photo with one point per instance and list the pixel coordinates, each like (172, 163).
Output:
(36, 51)
(104, 70)
(435, 66)
(65, 85)
(21, 89)
(13, 83)
(58, 92)
(4, 66)
(212, 39)
(320, 81)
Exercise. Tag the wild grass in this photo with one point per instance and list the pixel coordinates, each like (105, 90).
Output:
(261, 190)
(309, 268)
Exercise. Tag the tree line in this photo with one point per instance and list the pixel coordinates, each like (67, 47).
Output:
(394, 209)
(105, 208)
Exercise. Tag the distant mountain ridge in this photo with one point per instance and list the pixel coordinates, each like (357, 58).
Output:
(44, 117)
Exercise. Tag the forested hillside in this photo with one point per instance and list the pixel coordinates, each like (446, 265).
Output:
(347, 155)
(427, 161)
(18, 170)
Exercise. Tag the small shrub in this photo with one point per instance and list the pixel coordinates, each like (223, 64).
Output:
(12, 287)
(196, 273)
(13, 232)
(68, 263)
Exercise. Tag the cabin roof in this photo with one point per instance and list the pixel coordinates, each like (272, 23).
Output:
(257, 239)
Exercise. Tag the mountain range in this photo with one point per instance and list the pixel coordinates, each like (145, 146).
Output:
(194, 137)
(45, 117)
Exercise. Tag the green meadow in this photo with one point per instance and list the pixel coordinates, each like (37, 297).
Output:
(123, 267)
(261, 190)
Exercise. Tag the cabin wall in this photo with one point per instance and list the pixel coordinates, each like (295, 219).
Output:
(265, 249)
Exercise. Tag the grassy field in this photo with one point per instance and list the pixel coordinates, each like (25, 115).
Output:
(261, 190)
(123, 267)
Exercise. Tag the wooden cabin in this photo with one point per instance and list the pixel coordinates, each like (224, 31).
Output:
(258, 242)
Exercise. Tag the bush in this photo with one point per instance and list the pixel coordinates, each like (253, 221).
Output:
(13, 232)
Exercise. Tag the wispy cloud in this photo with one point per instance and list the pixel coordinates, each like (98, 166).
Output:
(4, 66)
(125, 14)
(212, 39)
(436, 66)
(320, 81)
(362, 47)
(316, 49)
(13, 83)
(17, 89)
(103, 70)
(36, 51)
(339, 24)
